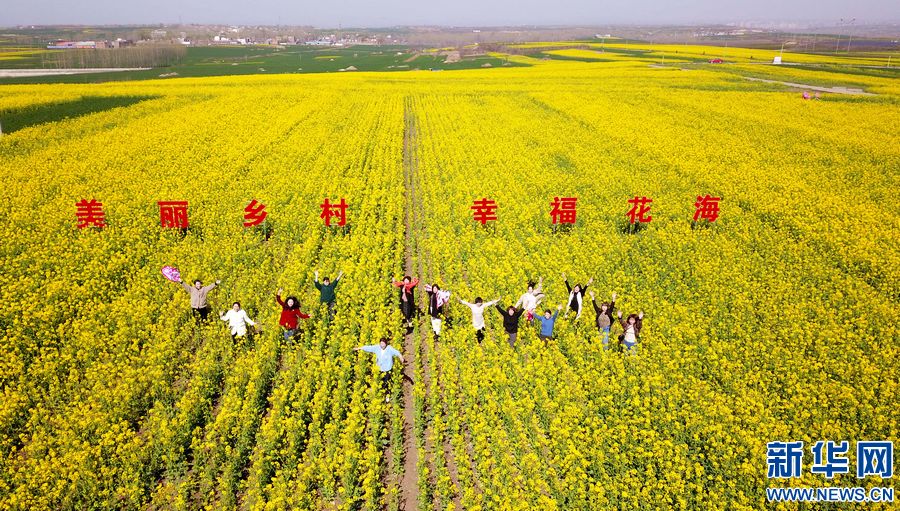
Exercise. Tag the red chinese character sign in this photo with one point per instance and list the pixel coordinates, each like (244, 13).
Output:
(485, 210)
(563, 211)
(640, 210)
(254, 213)
(90, 214)
(706, 207)
(173, 214)
(338, 211)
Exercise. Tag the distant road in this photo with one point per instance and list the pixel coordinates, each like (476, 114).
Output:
(836, 90)
(24, 73)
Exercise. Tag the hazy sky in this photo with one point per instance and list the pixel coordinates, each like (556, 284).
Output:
(380, 13)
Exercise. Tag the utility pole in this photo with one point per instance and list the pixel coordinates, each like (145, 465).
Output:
(850, 35)
(837, 45)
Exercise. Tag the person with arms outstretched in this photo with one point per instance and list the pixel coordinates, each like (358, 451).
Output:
(199, 293)
(326, 291)
(576, 295)
(437, 298)
(547, 322)
(604, 319)
(290, 315)
(631, 330)
(384, 358)
(531, 299)
(511, 317)
(478, 315)
(237, 319)
(407, 299)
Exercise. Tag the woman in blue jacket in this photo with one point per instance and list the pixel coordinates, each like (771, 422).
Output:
(547, 322)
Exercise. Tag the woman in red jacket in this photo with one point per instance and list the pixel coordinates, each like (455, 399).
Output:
(290, 315)
(407, 299)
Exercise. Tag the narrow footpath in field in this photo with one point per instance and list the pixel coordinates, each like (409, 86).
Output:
(418, 480)
(408, 495)
(834, 90)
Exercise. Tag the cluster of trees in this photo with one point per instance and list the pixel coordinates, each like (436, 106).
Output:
(147, 55)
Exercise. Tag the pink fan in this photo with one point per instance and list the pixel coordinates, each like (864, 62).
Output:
(171, 273)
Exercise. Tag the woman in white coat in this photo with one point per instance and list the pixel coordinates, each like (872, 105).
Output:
(531, 299)
(237, 319)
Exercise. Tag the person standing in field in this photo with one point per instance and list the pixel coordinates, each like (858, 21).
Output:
(511, 317)
(478, 315)
(199, 293)
(437, 298)
(604, 319)
(531, 299)
(631, 330)
(237, 319)
(384, 358)
(547, 322)
(576, 295)
(407, 299)
(326, 291)
(290, 316)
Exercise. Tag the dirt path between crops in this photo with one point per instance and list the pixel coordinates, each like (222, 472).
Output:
(431, 375)
(418, 259)
(423, 271)
(408, 484)
(834, 90)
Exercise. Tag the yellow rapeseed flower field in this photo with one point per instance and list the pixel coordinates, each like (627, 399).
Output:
(778, 321)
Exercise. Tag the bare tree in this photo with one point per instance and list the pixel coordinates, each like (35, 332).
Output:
(147, 55)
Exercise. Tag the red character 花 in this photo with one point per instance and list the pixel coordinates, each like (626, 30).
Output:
(639, 210)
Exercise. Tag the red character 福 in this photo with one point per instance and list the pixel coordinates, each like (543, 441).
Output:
(563, 211)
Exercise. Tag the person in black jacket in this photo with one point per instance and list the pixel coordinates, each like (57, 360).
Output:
(576, 295)
(604, 319)
(511, 322)
(407, 299)
(437, 298)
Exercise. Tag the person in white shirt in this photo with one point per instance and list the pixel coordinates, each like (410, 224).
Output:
(478, 315)
(237, 319)
(530, 299)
